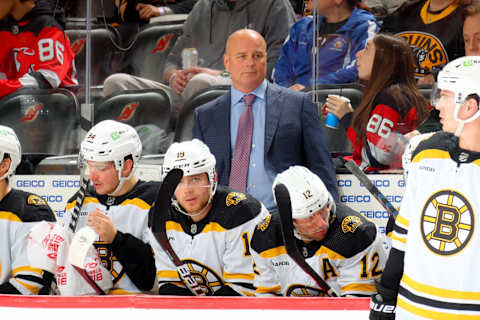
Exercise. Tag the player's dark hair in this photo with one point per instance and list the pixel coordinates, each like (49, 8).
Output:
(393, 70)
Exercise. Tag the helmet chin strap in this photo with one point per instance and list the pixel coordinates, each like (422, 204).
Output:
(461, 123)
(122, 180)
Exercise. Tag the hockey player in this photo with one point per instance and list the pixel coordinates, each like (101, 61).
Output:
(117, 206)
(432, 268)
(341, 245)
(35, 51)
(19, 211)
(209, 227)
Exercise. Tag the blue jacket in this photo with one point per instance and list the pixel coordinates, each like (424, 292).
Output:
(336, 54)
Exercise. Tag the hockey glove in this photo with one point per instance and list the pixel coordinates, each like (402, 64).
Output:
(382, 304)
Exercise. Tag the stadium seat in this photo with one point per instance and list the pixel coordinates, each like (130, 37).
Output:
(106, 58)
(148, 54)
(46, 121)
(337, 140)
(148, 110)
(184, 126)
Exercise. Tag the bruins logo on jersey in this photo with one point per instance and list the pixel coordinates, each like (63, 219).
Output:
(36, 200)
(234, 198)
(447, 222)
(206, 277)
(110, 261)
(428, 51)
(300, 290)
(350, 224)
(263, 225)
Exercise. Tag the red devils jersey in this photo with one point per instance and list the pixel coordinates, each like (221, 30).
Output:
(378, 152)
(35, 53)
(435, 37)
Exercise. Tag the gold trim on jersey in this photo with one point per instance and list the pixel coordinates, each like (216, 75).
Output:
(402, 222)
(172, 225)
(213, 226)
(440, 292)
(170, 274)
(403, 240)
(428, 17)
(332, 255)
(268, 289)
(363, 287)
(274, 252)
(431, 314)
(27, 269)
(6, 215)
(30, 287)
(247, 276)
(85, 201)
(136, 202)
(120, 292)
(431, 154)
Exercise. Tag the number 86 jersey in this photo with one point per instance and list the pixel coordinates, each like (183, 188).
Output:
(35, 53)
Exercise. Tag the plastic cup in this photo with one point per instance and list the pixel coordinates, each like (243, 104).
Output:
(331, 121)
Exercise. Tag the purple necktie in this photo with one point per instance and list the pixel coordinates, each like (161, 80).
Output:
(243, 145)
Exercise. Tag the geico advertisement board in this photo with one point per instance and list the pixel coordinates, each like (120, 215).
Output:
(56, 190)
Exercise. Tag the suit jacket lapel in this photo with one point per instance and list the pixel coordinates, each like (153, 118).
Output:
(273, 111)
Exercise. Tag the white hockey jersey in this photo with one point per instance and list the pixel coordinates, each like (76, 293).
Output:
(130, 215)
(217, 248)
(19, 212)
(436, 230)
(350, 257)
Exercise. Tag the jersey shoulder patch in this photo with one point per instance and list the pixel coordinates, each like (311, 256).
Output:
(234, 198)
(267, 234)
(27, 206)
(35, 200)
(350, 224)
(350, 232)
(232, 208)
(263, 225)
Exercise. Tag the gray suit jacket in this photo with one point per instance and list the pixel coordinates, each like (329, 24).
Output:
(293, 135)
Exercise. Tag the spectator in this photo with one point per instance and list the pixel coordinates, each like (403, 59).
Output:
(422, 23)
(36, 52)
(138, 11)
(20, 211)
(285, 124)
(342, 29)
(390, 103)
(207, 28)
(471, 29)
(117, 206)
(336, 241)
(434, 231)
(210, 227)
(382, 8)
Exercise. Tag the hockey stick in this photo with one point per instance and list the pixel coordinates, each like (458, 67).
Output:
(362, 177)
(159, 218)
(285, 211)
(79, 256)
